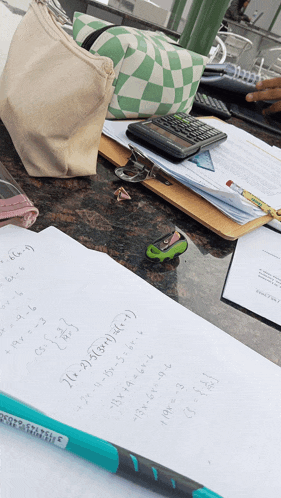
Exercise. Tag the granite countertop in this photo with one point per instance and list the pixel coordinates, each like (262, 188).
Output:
(86, 209)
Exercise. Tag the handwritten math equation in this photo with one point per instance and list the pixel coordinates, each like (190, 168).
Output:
(153, 392)
(183, 399)
(14, 307)
(15, 253)
(190, 400)
(58, 336)
(20, 318)
(129, 384)
(126, 387)
(12, 258)
(100, 347)
(17, 316)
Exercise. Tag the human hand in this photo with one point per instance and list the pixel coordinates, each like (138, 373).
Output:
(267, 90)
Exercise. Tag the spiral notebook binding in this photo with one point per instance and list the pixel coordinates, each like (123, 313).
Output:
(230, 77)
(243, 74)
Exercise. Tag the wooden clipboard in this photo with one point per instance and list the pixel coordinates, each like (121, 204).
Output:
(183, 198)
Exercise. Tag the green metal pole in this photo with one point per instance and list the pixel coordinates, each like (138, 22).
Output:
(191, 19)
(274, 18)
(201, 37)
(172, 14)
(176, 14)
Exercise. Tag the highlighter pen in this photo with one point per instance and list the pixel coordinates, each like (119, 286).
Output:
(108, 456)
(255, 200)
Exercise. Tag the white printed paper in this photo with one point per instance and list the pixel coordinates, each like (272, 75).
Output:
(254, 279)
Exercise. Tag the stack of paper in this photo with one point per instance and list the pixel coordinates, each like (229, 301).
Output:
(89, 343)
(244, 159)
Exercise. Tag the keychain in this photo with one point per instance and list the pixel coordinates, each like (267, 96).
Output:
(167, 248)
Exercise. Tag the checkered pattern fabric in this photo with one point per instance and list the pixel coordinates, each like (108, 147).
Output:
(153, 77)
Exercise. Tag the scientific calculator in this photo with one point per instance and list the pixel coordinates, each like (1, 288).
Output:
(176, 136)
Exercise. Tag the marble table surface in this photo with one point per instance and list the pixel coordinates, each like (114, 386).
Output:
(86, 209)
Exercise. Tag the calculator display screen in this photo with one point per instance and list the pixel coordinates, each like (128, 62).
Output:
(168, 135)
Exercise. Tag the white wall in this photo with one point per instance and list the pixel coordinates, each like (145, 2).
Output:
(165, 4)
(269, 9)
(168, 4)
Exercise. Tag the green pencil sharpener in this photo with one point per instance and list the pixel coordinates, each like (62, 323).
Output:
(166, 248)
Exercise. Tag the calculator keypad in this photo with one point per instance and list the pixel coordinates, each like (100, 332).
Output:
(186, 127)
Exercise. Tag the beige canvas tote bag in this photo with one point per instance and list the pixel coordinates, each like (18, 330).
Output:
(54, 97)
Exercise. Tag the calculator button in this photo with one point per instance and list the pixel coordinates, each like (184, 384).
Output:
(186, 127)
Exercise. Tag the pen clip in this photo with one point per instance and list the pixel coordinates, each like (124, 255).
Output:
(139, 168)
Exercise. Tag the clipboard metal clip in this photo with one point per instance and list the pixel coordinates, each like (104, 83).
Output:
(139, 168)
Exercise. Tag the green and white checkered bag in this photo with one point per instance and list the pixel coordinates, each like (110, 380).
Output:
(153, 75)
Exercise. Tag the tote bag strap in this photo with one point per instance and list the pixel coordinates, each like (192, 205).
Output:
(55, 8)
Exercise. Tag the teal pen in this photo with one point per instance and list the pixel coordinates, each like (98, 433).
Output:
(111, 457)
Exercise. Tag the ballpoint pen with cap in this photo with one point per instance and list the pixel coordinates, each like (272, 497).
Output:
(107, 455)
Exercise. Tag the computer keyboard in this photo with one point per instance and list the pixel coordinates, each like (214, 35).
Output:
(224, 105)
(206, 104)
(253, 113)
